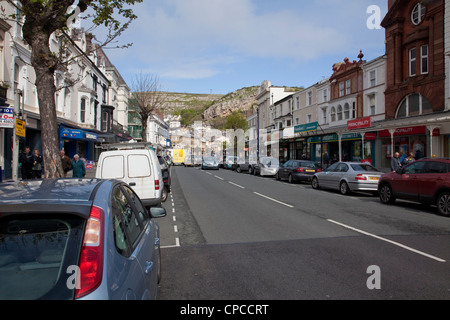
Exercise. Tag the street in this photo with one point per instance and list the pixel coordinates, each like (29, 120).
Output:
(239, 237)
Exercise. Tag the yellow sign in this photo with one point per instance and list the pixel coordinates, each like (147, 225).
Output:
(21, 126)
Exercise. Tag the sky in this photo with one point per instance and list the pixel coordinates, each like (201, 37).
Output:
(219, 46)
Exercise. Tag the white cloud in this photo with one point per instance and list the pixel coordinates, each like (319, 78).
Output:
(196, 38)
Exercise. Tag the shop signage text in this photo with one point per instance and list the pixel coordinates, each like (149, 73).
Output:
(359, 123)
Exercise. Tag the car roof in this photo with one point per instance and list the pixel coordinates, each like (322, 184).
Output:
(49, 196)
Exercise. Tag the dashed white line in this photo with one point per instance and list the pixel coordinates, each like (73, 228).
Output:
(274, 200)
(175, 229)
(234, 184)
(387, 240)
(219, 178)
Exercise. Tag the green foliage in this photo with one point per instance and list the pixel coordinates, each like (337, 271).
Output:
(236, 121)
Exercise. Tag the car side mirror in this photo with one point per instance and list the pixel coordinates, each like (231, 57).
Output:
(158, 212)
(399, 170)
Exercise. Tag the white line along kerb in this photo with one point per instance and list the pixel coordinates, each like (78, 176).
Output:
(387, 240)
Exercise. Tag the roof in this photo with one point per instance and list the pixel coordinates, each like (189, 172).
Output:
(49, 196)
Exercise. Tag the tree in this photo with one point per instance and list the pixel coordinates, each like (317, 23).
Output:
(42, 18)
(236, 121)
(147, 98)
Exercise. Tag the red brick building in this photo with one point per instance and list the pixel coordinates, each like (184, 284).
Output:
(415, 58)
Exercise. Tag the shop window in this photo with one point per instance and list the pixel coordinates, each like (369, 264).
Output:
(414, 105)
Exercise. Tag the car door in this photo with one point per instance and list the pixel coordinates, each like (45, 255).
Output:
(125, 273)
(327, 175)
(283, 172)
(407, 184)
(146, 250)
(338, 175)
(432, 178)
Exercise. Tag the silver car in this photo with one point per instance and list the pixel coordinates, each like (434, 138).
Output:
(267, 166)
(77, 239)
(347, 177)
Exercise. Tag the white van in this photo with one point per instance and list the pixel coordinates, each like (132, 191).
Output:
(137, 167)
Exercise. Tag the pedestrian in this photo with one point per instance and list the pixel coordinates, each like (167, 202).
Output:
(26, 159)
(37, 165)
(334, 159)
(395, 162)
(409, 159)
(79, 170)
(66, 163)
(418, 154)
(403, 157)
(325, 160)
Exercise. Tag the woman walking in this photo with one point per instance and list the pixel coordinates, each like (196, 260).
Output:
(37, 165)
(79, 170)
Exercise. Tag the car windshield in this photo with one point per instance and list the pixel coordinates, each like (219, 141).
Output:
(270, 161)
(209, 159)
(35, 255)
(363, 167)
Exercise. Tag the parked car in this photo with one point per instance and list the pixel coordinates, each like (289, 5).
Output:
(297, 170)
(426, 181)
(347, 177)
(210, 163)
(266, 166)
(229, 162)
(165, 170)
(77, 239)
(137, 167)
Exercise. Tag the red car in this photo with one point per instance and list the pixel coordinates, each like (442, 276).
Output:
(426, 181)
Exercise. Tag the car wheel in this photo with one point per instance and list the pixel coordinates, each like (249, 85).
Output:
(443, 204)
(238, 169)
(315, 183)
(250, 171)
(277, 176)
(164, 195)
(290, 179)
(343, 187)
(386, 194)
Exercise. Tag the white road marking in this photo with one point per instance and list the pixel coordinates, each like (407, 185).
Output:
(219, 178)
(175, 229)
(387, 240)
(234, 184)
(274, 200)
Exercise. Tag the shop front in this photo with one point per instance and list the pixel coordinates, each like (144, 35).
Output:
(405, 140)
(77, 141)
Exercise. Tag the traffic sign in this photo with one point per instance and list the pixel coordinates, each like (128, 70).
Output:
(21, 126)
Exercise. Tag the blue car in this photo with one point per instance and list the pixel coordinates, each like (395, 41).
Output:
(70, 239)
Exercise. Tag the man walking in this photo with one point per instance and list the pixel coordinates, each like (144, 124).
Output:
(395, 162)
(27, 161)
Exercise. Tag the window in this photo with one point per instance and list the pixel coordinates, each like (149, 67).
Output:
(424, 59)
(346, 111)
(418, 14)
(325, 95)
(333, 114)
(412, 62)
(83, 111)
(339, 112)
(435, 167)
(309, 98)
(309, 118)
(373, 78)
(413, 105)
(372, 110)
(297, 121)
(348, 87)
(298, 103)
(341, 89)
(324, 113)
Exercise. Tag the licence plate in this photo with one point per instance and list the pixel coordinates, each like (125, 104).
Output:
(374, 178)
(310, 170)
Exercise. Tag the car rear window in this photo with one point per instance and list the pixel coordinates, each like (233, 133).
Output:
(35, 254)
(306, 164)
(363, 167)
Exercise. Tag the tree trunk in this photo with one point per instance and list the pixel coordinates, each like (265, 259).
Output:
(44, 64)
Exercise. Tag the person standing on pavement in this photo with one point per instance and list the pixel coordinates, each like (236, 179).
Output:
(26, 159)
(395, 162)
(66, 162)
(79, 170)
(37, 165)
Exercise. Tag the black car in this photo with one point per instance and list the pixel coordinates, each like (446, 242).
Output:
(165, 169)
(297, 170)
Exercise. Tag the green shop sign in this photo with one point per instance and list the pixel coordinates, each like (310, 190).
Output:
(306, 127)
